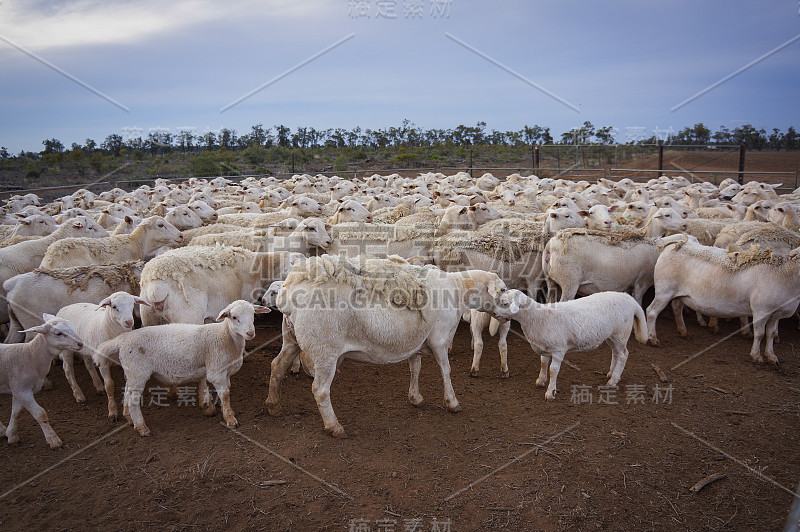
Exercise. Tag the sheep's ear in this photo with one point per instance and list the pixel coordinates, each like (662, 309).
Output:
(128, 219)
(614, 208)
(47, 317)
(463, 211)
(495, 286)
(138, 300)
(258, 309)
(224, 314)
(106, 302)
(583, 213)
(514, 306)
(77, 224)
(40, 329)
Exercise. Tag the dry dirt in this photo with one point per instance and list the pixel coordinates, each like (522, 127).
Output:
(510, 460)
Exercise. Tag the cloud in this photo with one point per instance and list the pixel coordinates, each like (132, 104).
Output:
(40, 25)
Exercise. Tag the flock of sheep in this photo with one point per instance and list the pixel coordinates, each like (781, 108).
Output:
(378, 270)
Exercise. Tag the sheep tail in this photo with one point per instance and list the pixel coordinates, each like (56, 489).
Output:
(494, 325)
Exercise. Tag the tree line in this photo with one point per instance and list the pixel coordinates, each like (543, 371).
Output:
(160, 142)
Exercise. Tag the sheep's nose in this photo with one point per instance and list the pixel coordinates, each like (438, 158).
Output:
(251, 334)
(684, 227)
(80, 345)
(128, 324)
(369, 218)
(327, 244)
(180, 238)
(214, 216)
(512, 202)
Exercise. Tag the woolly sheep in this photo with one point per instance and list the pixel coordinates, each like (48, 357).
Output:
(182, 217)
(149, 235)
(178, 353)
(24, 367)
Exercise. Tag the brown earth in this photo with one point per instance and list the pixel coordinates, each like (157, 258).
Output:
(623, 466)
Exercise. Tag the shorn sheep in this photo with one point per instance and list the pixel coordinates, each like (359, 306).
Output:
(24, 367)
(179, 353)
(406, 309)
(578, 325)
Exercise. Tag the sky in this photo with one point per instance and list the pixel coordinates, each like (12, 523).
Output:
(79, 69)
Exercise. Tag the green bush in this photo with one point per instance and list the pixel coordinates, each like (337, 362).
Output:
(204, 165)
(340, 163)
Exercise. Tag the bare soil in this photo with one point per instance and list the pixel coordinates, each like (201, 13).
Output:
(510, 460)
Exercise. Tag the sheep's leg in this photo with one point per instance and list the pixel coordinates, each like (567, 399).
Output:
(759, 323)
(555, 366)
(568, 291)
(502, 345)
(639, 289)
(222, 384)
(2, 428)
(16, 413)
(295, 365)
(713, 324)
(67, 358)
(90, 367)
(771, 333)
(206, 404)
(552, 290)
(677, 311)
(478, 321)
(543, 368)
(619, 356)
(744, 324)
(280, 364)
(440, 354)
(108, 382)
(323, 377)
(414, 364)
(133, 393)
(701, 321)
(40, 415)
(659, 303)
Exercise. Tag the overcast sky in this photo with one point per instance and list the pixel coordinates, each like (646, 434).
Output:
(131, 66)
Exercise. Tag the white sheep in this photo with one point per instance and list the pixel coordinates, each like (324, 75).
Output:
(183, 217)
(95, 324)
(179, 353)
(42, 291)
(24, 367)
(579, 325)
(149, 235)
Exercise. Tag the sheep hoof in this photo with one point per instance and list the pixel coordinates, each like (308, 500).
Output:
(757, 359)
(13, 440)
(715, 330)
(550, 396)
(80, 399)
(654, 342)
(274, 410)
(144, 432)
(417, 402)
(473, 373)
(454, 409)
(55, 443)
(338, 432)
(233, 423)
(113, 418)
(541, 383)
(683, 334)
(505, 374)
(100, 391)
(209, 410)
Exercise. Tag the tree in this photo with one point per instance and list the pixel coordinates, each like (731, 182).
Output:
(791, 139)
(257, 135)
(227, 138)
(112, 144)
(52, 146)
(185, 140)
(89, 146)
(4, 152)
(283, 136)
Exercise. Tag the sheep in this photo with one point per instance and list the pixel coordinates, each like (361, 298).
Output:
(583, 261)
(95, 324)
(181, 352)
(189, 234)
(350, 211)
(579, 325)
(204, 210)
(406, 309)
(194, 283)
(706, 280)
(26, 256)
(35, 225)
(149, 235)
(182, 217)
(785, 214)
(24, 367)
(41, 291)
(246, 207)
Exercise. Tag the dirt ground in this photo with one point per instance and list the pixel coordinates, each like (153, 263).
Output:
(510, 460)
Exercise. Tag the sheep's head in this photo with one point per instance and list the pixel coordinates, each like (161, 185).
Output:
(508, 303)
(239, 316)
(59, 334)
(120, 305)
(270, 297)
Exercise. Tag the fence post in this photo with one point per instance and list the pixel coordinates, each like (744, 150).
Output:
(660, 159)
(741, 164)
(292, 161)
(536, 157)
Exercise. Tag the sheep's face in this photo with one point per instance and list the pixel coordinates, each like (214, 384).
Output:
(85, 226)
(314, 233)
(163, 232)
(183, 218)
(36, 225)
(637, 209)
(508, 303)
(239, 316)
(353, 211)
(270, 297)
(120, 305)
(59, 334)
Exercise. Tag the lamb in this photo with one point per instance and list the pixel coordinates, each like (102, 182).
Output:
(149, 235)
(350, 211)
(578, 325)
(41, 291)
(706, 280)
(24, 367)
(194, 283)
(180, 352)
(406, 309)
(95, 324)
